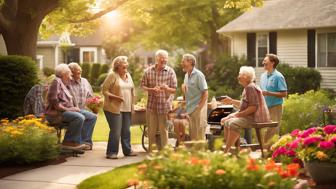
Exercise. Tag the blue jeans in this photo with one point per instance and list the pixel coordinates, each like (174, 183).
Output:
(74, 124)
(88, 125)
(119, 128)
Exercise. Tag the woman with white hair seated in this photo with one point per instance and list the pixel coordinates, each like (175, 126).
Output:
(61, 108)
(252, 108)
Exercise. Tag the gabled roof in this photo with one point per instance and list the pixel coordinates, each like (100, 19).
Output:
(284, 15)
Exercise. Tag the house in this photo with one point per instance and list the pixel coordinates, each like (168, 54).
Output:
(66, 49)
(300, 32)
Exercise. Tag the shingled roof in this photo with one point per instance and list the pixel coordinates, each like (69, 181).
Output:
(284, 15)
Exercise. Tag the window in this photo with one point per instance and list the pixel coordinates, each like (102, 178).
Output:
(39, 60)
(88, 54)
(326, 50)
(262, 47)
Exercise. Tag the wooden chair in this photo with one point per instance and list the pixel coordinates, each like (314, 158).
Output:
(258, 127)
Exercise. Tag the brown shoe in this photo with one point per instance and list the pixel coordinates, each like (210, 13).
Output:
(72, 146)
(87, 147)
(132, 154)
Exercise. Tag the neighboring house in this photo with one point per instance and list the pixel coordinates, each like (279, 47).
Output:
(66, 49)
(300, 32)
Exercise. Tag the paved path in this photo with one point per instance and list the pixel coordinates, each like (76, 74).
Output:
(70, 173)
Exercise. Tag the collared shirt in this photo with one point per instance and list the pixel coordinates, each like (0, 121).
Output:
(196, 85)
(161, 102)
(33, 102)
(81, 90)
(273, 82)
(58, 94)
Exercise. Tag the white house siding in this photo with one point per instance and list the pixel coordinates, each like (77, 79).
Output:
(3, 50)
(48, 54)
(328, 78)
(292, 47)
(239, 46)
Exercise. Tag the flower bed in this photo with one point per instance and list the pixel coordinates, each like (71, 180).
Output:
(313, 144)
(185, 169)
(27, 140)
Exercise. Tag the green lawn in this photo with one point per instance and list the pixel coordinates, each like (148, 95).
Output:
(101, 130)
(116, 178)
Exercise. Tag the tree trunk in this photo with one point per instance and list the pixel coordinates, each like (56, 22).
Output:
(22, 39)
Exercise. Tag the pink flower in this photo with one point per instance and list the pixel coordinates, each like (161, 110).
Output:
(280, 151)
(295, 143)
(311, 140)
(329, 129)
(327, 145)
(296, 132)
(290, 153)
(308, 132)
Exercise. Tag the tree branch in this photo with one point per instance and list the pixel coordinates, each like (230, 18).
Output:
(101, 13)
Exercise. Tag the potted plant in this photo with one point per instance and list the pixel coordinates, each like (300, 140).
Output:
(94, 103)
(315, 147)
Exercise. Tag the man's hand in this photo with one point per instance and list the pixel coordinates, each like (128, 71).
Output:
(265, 93)
(227, 100)
(73, 109)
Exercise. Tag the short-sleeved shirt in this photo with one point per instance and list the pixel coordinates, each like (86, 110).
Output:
(273, 82)
(81, 90)
(126, 87)
(162, 102)
(249, 98)
(196, 85)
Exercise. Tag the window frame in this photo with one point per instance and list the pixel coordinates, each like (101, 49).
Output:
(267, 46)
(326, 31)
(88, 49)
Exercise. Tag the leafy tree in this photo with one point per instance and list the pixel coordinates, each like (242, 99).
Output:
(173, 24)
(20, 20)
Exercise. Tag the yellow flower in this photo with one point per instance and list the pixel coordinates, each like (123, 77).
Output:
(321, 155)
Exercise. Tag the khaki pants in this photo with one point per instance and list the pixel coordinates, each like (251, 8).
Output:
(157, 122)
(198, 123)
(276, 115)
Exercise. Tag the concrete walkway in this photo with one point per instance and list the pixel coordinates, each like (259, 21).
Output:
(70, 173)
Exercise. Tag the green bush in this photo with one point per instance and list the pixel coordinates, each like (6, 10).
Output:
(222, 77)
(305, 110)
(25, 141)
(104, 68)
(86, 69)
(95, 71)
(101, 79)
(300, 79)
(48, 71)
(18, 75)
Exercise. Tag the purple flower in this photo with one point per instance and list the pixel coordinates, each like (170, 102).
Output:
(329, 129)
(311, 140)
(295, 132)
(327, 145)
(308, 132)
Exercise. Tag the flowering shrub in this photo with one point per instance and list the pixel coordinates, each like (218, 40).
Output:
(94, 103)
(185, 169)
(27, 140)
(313, 144)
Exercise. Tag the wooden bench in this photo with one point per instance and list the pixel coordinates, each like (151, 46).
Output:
(258, 127)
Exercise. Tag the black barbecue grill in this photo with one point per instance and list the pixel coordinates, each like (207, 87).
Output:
(214, 118)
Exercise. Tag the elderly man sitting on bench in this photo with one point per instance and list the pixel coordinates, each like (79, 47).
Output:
(252, 108)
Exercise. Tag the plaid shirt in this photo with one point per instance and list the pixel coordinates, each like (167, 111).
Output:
(161, 102)
(34, 103)
(81, 90)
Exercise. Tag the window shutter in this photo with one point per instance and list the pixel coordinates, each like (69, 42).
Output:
(251, 48)
(311, 48)
(272, 42)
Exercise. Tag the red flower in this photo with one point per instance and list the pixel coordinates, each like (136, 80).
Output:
(327, 145)
(311, 140)
(329, 129)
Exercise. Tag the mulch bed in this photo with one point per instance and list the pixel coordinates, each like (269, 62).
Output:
(6, 170)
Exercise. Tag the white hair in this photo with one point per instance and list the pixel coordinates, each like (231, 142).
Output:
(248, 71)
(74, 65)
(190, 58)
(161, 52)
(117, 61)
(62, 69)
